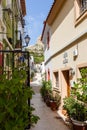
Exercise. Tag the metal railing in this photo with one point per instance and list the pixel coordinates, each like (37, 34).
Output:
(9, 60)
(14, 59)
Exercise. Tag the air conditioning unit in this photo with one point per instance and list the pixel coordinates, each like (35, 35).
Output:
(75, 52)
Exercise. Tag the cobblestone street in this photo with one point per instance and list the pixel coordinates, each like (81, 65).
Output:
(49, 119)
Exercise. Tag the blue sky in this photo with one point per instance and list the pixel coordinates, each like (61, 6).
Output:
(37, 11)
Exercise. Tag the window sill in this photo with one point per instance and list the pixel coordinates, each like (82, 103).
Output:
(81, 18)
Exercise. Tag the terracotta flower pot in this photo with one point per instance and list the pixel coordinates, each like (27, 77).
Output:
(48, 103)
(78, 125)
(53, 105)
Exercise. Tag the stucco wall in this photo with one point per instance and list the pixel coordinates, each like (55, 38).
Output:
(81, 46)
(63, 29)
(66, 38)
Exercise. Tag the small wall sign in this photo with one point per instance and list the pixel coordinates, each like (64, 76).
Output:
(65, 56)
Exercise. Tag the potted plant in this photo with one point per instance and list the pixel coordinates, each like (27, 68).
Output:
(76, 103)
(47, 94)
(46, 90)
(55, 101)
(15, 112)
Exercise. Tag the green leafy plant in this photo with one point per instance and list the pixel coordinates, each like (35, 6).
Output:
(15, 112)
(46, 88)
(76, 103)
(38, 58)
(81, 86)
(47, 95)
(58, 99)
(55, 100)
(75, 109)
(32, 75)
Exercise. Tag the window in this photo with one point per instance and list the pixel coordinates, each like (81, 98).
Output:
(8, 3)
(83, 5)
(56, 79)
(80, 10)
(48, 40)
(48, 74)
(1, 56)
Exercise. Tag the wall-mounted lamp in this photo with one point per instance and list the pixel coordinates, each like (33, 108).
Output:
(27, 39)
(72, 72)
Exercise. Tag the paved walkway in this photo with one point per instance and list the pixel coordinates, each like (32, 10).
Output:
(49, 119)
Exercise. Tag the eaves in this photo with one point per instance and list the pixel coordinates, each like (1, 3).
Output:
(23, 7)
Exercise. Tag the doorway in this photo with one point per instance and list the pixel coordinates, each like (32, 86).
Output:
(65, 84)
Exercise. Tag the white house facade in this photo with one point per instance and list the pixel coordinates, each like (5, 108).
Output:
(65, 43)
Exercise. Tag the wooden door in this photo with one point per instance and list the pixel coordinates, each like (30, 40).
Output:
(66, 79)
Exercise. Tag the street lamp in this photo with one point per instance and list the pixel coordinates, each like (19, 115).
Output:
(27, 39)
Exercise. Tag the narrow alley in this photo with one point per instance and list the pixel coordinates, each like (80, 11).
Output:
(49, 119)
